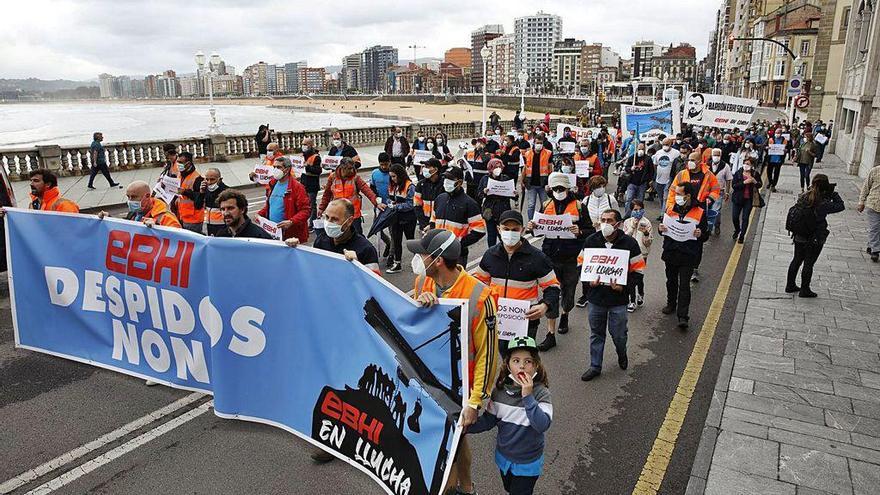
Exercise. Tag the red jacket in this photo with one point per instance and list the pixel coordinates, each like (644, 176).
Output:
(296, 209)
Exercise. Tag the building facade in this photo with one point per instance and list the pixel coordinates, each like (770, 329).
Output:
(480, 38)
(643, 53)
(311, 79)
(350, 74)
(828, 59)
(676, 64)
(500, 76)
(566, 66)
(375, 62)
(534, 39)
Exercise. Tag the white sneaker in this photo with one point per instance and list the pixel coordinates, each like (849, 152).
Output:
(631, 307)
(150, 383)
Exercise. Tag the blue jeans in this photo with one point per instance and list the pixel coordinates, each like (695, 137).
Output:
(614, 319)
(662, 192)
(634, 191)
(533, 193)
(805, 169)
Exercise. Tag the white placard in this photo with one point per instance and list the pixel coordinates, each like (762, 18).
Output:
(566, 146)
(775, 149)
(679, 230)
(501, 188)
(262, 173)
(421, 156)
(167, 188)
(330, 162)
(511, 317)
(821, 138)
(318, 224)
(553, 226)
(269, 226)
(605, 265)
(786, 136)
(582, 168)
(299, 165)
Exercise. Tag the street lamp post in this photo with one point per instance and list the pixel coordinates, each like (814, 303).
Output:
(484, 52)
(635, 85)
(213, 128)
(523, 80)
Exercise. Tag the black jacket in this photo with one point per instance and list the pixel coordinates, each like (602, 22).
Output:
(568, 249)
(404, 147)
(604, 295)
(686, 253)
(250, 230)
(461, 209)
(209, 198)
(526, 265)
(643, 175)
(738, 187)
(828, 203)
(311, 179)
(496, 204)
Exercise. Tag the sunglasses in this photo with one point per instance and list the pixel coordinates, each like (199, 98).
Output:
(559, 189)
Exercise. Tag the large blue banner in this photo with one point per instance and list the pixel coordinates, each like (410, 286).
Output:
(651, 122)
(297, 338)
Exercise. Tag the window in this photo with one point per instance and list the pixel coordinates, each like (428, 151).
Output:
(844, 23)
(805, 48)
(866, 10)
(779, 68)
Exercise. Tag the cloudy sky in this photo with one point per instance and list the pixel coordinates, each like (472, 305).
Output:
(78, 39)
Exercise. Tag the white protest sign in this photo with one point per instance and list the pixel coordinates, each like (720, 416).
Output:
(776, 149)
(501, 188)
(582, 168)
(269, 226)
(421, 156)
(167, 188)
(511, 317)
(299, 165)
(330, 162)
(318, 224)
(566, 146)
(582, 132)
(679, 230)
(605, 265)
(787, 137)
(821, 138)
(553, 226)
(262, 173)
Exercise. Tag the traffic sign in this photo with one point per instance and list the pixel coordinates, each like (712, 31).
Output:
(802, 101)
(795, 85)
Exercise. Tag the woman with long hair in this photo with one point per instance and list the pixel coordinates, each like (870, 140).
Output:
(401, 192)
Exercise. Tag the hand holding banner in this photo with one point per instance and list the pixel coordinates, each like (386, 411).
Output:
(553, 226)
(512, 321)
(679, 230)
(262, 173)
(775, 149)
(269, 226)
(605, 265)
(566, 147)
(501, 188)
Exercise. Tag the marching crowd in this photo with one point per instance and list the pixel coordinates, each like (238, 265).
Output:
(440, 200)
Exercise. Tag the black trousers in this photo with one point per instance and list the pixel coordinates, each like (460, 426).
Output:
(101, 167)
(678, 288)
(398, 230)
(636, 285)
(773, 170)
(806, 254)
(518, 485)
(568, 274)
(741, 212)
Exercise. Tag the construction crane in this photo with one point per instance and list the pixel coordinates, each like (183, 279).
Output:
(414, 48)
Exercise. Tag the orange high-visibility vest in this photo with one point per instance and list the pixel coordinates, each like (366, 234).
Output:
(52, 201)
(572, 210)
(186, 207)
(347, 189)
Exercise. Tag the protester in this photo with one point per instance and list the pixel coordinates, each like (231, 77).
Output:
(311, 177)
(401, 193)
(521, 408)
(493, 205)
(728, 147)
(263, 139)
(428, 188)
(607, 311)
(441, 149)
(287, 203)
(142, 207)
(811, 231)
(494, 120)
(639, 228)
(721, 170)
(563, 253)
(170, 168)
(746, 184)
(597, 202)
(478, 158)
(45, 195)
(438, 275)
(746, 151)
(342, 149)
(510, 154)
(379, 181)
(682, 257)
(233, 207)
(99, 162)
(209, 200)
(640, 170)
(869, 199)
(189, 194)
(419, 144)
(514, 269)
(774, 162)
(518, 121)
(344, 182)
(397, 146)
(535, 173)
(494, 140)
(663, 161)
(458, 213)
(806, 157)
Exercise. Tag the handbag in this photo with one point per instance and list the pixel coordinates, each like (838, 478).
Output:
(757, 200)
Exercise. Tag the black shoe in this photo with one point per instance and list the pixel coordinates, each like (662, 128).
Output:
(772, 188)
(322, 457)
(668, 309)
(116, 185)
(717, 229)
(389, 262)
(91, 187)
(683, 323)
(735, 235)
(563, 324)
(548, 343)
(622, 361)
(582, 302)
(740, 240)
(792, 289)
(806, 292)
(395, 268)
(590, 374)
(868, 250)
(875, 257)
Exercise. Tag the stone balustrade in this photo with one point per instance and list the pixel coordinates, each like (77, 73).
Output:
(77, 160)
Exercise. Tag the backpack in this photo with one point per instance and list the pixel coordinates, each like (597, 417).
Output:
(801, 220)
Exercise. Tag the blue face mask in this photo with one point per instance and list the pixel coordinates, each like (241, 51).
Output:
(638, 214)
(134, 206)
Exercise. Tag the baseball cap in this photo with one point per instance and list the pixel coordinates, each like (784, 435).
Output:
(437, 242)
(511, 216)
(559, 179)
(522, 343)
(454, 173)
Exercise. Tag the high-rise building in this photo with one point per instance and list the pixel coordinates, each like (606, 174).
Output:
(151, 86)
(168, 85)
(499, 65)
(566, 67)
(350, 74)
(107, 86)
(534, 39)
(643, 52)
(480, 38)
(189, 86)
(280, 80)
(271, 79)
(596, 59)
(375, 62)
(255, 79)
(679, 63)
(311, 79)
(138, 88)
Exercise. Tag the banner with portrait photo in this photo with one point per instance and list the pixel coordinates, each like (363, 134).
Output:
(725, 112)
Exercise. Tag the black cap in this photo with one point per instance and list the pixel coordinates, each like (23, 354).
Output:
(437, 242)
(454, 173)
(511, 216)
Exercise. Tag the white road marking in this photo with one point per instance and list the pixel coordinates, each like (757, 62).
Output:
(119, 451)
(96, 444)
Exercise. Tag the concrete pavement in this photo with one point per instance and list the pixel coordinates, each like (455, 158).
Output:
(796, 408)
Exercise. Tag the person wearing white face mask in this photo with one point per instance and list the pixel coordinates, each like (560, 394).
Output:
(598, 201)
(640, 170)
(746, 184)
(287, 203)
(344, 182)
(397, 146)
(311, 177)
(722, 172)
(338, 147)
(514, 269)
(493, 205)
(607, 311)
(536, 170)
(428, 188)
(664, 160)
(458, 213)
(186, 207)
(211, 189)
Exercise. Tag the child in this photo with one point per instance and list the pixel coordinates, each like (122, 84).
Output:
(639, 228)
(521, 386)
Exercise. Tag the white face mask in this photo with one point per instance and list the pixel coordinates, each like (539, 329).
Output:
(667, 148)
(716, 159)
(497, 132)
(640, 152)
(584, 150)
(680, 200)
(213, 187)
(560, 195)
(599, 192)
(747, 168)
(399, 135)
(496, 172)
(539, 147)
(332, 230)
(607, 229)
(566, 169)
(449, 185)
(181, 166)
(422, 138)
(277, 173)
(748, 145)
(510, 238)
(337, 143)
(692, 165)
(430, 146)
(426, 173)
(439, 141)
(418, 265)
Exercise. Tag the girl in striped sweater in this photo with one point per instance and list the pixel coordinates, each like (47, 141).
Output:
(521, 409)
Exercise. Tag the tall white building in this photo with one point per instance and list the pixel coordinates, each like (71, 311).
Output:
(534, 39)
(500, 76)
(107, 84)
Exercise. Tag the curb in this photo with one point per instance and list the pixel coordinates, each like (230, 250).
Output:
(706, 448)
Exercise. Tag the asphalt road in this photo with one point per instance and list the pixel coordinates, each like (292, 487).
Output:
(600, 437)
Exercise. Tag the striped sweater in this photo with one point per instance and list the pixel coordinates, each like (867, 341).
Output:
(521, 421)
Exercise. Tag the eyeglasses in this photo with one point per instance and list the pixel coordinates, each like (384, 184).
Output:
(559, 189)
